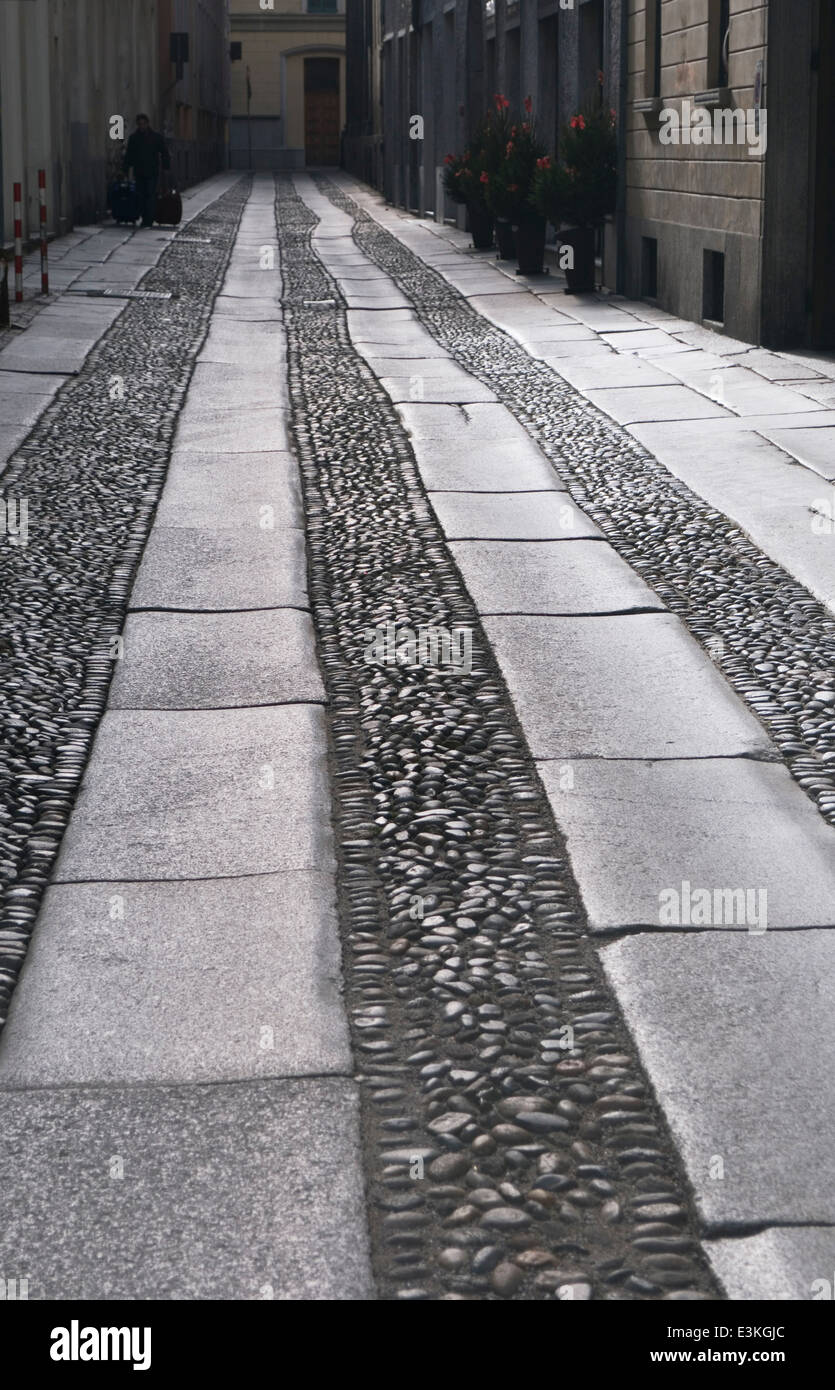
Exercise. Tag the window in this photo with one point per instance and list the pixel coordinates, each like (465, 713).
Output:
(322, 6)
(649, 267)
(652, 48)
(713, 287)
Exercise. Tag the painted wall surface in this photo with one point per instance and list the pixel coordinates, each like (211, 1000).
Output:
(275, 42)
(68, 67)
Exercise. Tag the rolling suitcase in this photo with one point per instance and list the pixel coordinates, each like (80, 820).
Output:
(123, 201)
(169, 208)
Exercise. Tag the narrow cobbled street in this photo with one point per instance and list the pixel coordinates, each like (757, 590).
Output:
(417, 779)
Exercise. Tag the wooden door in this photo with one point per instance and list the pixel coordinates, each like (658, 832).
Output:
(321, 110)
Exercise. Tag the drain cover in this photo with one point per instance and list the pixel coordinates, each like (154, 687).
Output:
(125, 294)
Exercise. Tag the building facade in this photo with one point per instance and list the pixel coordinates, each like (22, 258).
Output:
(726, 209)
(445, 59)
(194, 97)
(288, 83)
(73, 76)
(66, 68)
(362, 148)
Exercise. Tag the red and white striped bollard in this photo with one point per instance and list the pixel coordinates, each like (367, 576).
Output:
(18, 245)
(44, 261)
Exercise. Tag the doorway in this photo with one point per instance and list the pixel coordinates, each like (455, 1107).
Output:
(321, 110)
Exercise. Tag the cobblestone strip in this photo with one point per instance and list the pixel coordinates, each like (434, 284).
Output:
(774, 641)
(88, 476)
(512, 1143)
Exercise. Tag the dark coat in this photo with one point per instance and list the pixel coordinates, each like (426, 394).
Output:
(144, 151)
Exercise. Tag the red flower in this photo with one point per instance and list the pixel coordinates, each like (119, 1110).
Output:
(502, 103)
(526, 127)
(484, 177)
(449, 159)
(509, 147)
(528, 105)
(514, 187)
(578, 122)
(543, 163)
(600, 77)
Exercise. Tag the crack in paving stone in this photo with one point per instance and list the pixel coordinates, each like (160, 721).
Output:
(91, 472)
(513, 1146)
(771, 638)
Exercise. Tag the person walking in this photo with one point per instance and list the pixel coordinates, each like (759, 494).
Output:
(146, 149)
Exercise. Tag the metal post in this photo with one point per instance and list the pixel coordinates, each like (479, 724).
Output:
(18, 244)
(44, 260)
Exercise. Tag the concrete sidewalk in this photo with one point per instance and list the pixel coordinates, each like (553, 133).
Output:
(655, 770)
(56, 334)
(751, 431)
(175, 1075)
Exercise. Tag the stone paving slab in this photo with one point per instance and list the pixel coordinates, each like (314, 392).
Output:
(218, 492)
(201, 794)
(611, 369)
(455, 386)
(140, 982)
(814, 448)
(778, 1264)
(487, 422)
(371, 301)
(636, 682)
(37, 383)
(217, 660)
(628, 337)
(763, 490)
(220, 385)
(553, 353)
(636, 829)
(514, 313)
(19, 409)
(547, 516)
(631, 404)
(384, 326)
(580, 576)
(737, 1032)
(222, 569)
(231, 309)
(415, 366)
(822, 391)
(744, 391)
(229, 1192)
(263, 285)
(236, 343)
(447, 464)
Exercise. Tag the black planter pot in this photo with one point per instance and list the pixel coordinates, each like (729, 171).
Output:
(580, 278)
(505, 240)
(530, 245)
(481, 226)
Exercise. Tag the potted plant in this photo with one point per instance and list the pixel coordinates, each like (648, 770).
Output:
(582, 191)
(496, 134)
(463, 183)
(510, 189)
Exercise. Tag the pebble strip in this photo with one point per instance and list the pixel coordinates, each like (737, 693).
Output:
(774, 642)
(91, 472)
(513, 1146)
